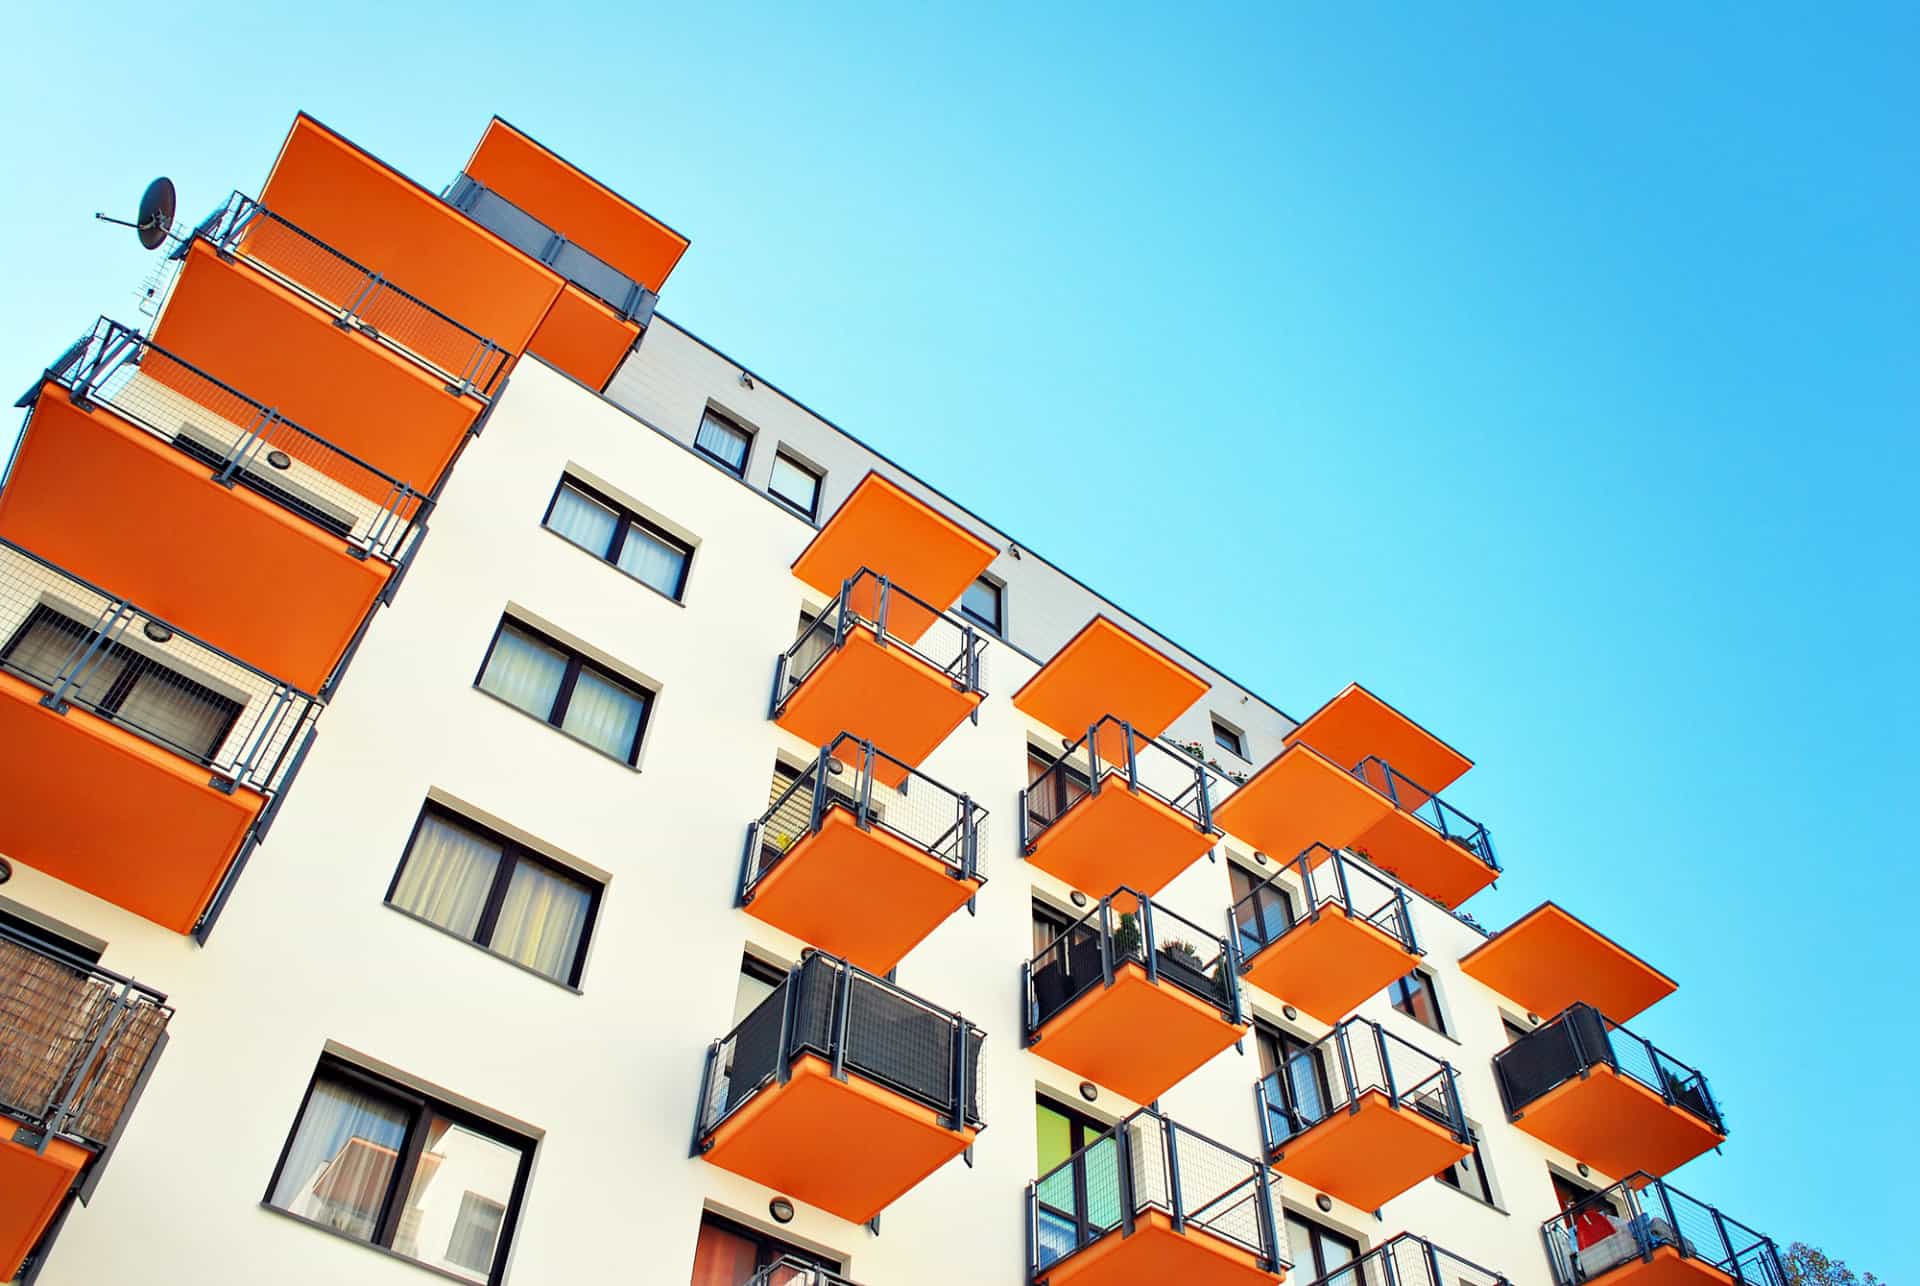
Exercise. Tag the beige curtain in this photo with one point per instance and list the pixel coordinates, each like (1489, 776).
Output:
(604, 715)
(448, 874)
(542, 919)
(525, 672)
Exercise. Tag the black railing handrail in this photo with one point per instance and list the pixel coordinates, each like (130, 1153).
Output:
(111, 345)
(1658, 1215)
(1392, 916)
(637, 301)
(962, 835)
(1393, 1271)
(1134, 940)
(1411, 797)
(829, 629)
(802, 1274)
(1678, 1084)
(1352, 1085)
(1081, 766)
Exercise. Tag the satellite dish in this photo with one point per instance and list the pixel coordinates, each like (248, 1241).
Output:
(155, 220)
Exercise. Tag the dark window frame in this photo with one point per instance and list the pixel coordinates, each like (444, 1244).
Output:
(1401, 997)
(728, 421)
(819, 476)
(40, 935)
(1082, 1131)
(624, 518)
(420, 1107)
(768, 1249)
(1451, 1176)
(999, 623)
(1229, 738)
(512, 854)
(1311, 1256)
(576, 662)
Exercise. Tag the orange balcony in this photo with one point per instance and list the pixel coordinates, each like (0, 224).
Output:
(1323, 933)
(898, 539)
(1362, 1115)
(1605, 1097)
(1645, 1232)
(79, 1043)
(1151, 1202)
(1133, 997)
(138, 470)
(121, 733)
(1548, 960)
(859, 873)
(1356, 725)
(584, 338)
(1102, 671)
(840, 1090)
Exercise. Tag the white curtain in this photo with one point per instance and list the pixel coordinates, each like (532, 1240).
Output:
(604, 715)
(447, 876)
(541, 920)
(580, 520)
(724, 441)
(524, 672)
(341, 1161)
(652, 560)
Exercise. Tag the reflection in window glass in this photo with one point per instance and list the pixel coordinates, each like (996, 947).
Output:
(340, 1163)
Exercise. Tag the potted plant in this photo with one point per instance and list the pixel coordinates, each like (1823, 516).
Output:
(1126, 937)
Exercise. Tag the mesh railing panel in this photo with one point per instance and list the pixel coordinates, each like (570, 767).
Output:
(1641, 1214)
(1103, 753)
(890, 614)
(242, 441)
(1358, 1057)
(794, 1272)
(104, 655)
(745, 1059)
(1428, 807)
(1408, 1260)
(1184, 955)
(1320, 878)
(532, 237)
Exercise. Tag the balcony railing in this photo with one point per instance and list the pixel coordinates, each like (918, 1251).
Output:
(633, 301)
(85, 647)
(1111, 753)
(1266, 914)
(788, 1271)
(1443, 818)
(938, 821)
(1408, 1260)
(1147, 1163)
(241, 440)
(857, 1023)
(1357, 1058)
(1581, 1038)
(78, 1039)
(1642, 1217)
(895, 618)
(359, 297)
(1172, 950)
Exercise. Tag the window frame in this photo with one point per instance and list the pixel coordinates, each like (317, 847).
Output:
(624, 518)
(569, 679)
(1229, 738)
(728, 421)
(420, 1106)
(1400, 996)
(810, 512)
(999, 588)
(1483, 1181)
(768, 1249)
(512, 854)
(1316, 1233)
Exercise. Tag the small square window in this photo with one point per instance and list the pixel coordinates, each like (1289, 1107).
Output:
(983, 603)
(723, 442)
(796, 484)
(1228, 737)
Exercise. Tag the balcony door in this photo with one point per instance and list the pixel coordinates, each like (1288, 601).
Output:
(1296, 1079)
(728, 1254)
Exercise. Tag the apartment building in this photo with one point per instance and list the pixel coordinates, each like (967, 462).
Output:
(496, 789)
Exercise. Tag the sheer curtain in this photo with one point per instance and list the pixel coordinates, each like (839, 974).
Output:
(341, 1161)
(718, 438)
(604, 715)
(448, 874)
(524, 672)
(542, 919)
(580, 520)
(652, 560)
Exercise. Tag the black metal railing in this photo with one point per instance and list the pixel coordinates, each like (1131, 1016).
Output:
(1113, 754)
(940, 822)
(1338, 1071)
(859, 1024)
(791, 1271)
(1426, 806)
(1149, 1163)
(1127, 928)
(633, 301)
(1581, 1038)
(75, 1041)
(890, 616)
(1319, 879)
(88, 648)
(1407, 1260)
(242, 441)
(359, 297)
(1641, 1216)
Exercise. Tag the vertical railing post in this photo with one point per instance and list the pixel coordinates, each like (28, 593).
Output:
(706, 1092)
(1406, 918)
(1147, 940)
(1263, 1189)
(83, 1066)
(1386, 1065)
(1433, 1264)
(1026, 823)
(1232, 971)
(817, 809)
(865, 814)
(880, 617)
(1169, 1135)
(1206, 798)
(113, 620)
(1666, 1204)
(1093, 761)
(837, 1024)
(1133, 761)
(1031, 1005)
(1342, 1045)
(970, 836)
(1726, 1243)
(783, 1056)
(844, 608)
(1340, 879)
(1123, 1166)
(1305, 863)
(1106, 941)
(961, 1089)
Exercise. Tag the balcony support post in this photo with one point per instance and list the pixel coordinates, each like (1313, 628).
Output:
(1133, 760)
(1106, 941)
(1386, 1067)
(1093, 761)
(1147, 941)
(961, 1089)
(1342, 1043)
(783, 1062)
(1340, 878)
(880, 622)
(970, 836)
(842, 1005)
(698, 1146)
(1170, 1138)
(865, 815)
(1263, 1190)
(1123, 1165)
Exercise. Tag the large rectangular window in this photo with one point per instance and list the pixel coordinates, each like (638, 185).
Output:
(796, 484)
(628, 541)
(723, 442)
(497, 894)
(382, 1163)
(556, 684)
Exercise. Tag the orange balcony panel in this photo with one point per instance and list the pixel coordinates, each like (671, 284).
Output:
(233, 322)
(1155, 1255)
(1666, 1268)
(391, 225)
(1547, 960)
(576, 205)
(893, 534)
(1422, 858)
(1357, 724)
(583, 337)
(1329, 965)
(32, 1186)
(1369, 1157)
(1105, 670)
(1299, 799)
(885, 695)
(113, 814)
(1119, 836)
(117, 506)
(866, 896)
(1617, 1125)
(848, 1147)
(1135, 1037)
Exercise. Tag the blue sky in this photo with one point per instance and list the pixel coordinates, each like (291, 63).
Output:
(1552, 371)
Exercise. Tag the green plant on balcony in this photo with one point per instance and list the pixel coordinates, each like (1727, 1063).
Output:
(1126, 937)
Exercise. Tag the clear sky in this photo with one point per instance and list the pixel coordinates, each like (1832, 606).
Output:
(1554, 370)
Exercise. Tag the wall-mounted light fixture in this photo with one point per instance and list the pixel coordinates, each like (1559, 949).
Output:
(157, 632)
(1078, 898)
(746, 380)
(1089, 1091)
(781, 1209)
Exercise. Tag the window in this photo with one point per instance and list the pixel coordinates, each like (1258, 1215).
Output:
(1076, 1202)
(1317, 1249)
(728, 1253)
(1285, 1056)
(723, 442)
(20, 929)
(1053, 786)
(554, 683)
(384, 1164)
(1227, 737)
(982, 603)
(1469, 1173)
(757, 981)
(795, 483)
(1514, 1030)
(497, 894)
(1262, 910)
(626, 540)
(1414, 996)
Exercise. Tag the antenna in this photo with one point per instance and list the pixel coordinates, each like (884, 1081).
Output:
(155, 220)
